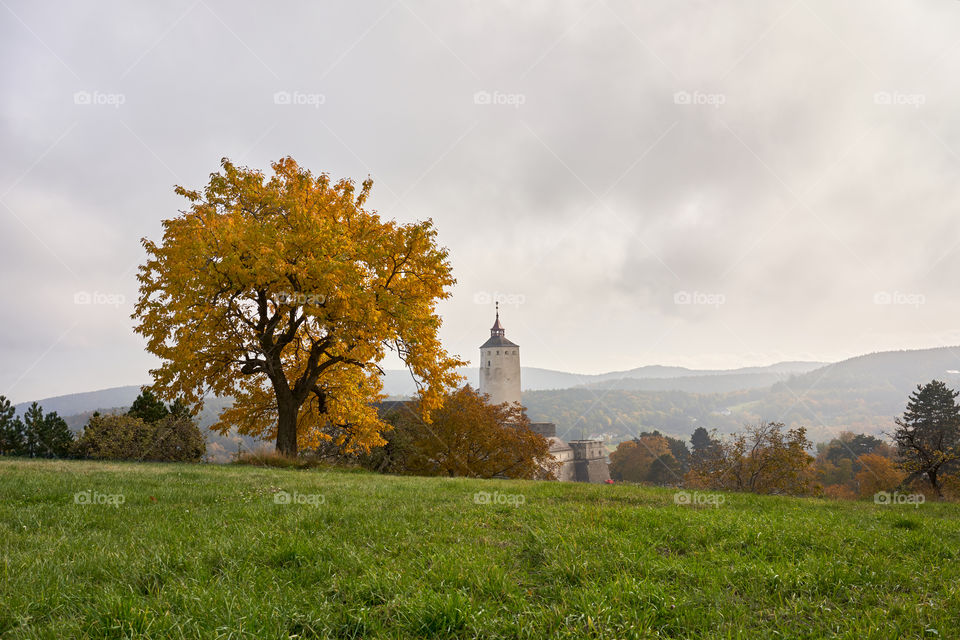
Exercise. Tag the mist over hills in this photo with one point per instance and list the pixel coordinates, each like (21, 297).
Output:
(864, 394)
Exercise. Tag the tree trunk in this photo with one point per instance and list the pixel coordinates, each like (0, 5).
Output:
(287, 426)
(932, 475)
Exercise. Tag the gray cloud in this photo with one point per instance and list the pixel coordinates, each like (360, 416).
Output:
(814, 169)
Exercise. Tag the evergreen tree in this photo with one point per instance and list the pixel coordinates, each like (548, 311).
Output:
(701, 442)
(179, 409)
(147, 407)
(45, 436)
(11, 430)
(32, 427)
(928, 434)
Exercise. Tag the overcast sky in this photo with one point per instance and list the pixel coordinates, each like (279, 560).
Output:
(707, 184)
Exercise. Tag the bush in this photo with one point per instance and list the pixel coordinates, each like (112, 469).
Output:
(123, 437)
(271, 458)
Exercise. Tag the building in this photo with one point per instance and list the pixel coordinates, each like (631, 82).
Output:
(500, 366)
(578, 460)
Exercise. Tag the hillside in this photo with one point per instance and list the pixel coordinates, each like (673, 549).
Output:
(157, 551)
(862, 394)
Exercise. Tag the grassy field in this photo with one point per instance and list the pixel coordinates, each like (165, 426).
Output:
(149, 550)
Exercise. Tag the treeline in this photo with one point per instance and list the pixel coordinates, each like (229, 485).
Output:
(769, 457)
(585, 411)
(624, 413)
(149, 431)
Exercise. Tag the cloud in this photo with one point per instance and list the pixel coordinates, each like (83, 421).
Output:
(795, 158)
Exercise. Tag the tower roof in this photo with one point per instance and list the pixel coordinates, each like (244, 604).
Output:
(497, 332)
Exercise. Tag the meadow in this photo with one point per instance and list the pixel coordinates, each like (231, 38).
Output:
(118, 550)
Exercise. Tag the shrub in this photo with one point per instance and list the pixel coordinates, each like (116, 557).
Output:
(272, 458)
(123, 437)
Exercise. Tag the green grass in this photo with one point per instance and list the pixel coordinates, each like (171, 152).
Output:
(204, 551)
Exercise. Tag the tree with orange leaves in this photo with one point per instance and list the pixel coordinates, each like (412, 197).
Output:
(283, 292)
(467, 437)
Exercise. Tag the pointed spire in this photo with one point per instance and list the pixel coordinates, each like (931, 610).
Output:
(497, 329)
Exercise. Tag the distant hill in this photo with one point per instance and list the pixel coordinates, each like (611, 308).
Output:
(397, 382)
(861, 394)
(88, 401)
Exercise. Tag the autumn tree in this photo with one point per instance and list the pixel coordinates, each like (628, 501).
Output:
(283, 293)
(646, 458)
(879, 474)
(928, 434)
(763, 458)
(467, 436)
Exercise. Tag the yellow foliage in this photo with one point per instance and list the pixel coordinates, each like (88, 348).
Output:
(284, 293)
(879, 474)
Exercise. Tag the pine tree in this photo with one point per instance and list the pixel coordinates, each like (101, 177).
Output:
(147, 407)
(701, 442)
(11, 430)
(32, 428)
(45, 436)
(928, 434)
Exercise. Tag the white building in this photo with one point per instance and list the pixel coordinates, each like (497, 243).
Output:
(579, 460)
(500, 366)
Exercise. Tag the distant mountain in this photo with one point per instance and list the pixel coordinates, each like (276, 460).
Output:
(695, 384)
(862, 394)
(88, 401)
(397, 382)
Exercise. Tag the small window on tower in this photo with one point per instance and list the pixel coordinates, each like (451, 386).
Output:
(488, 363)
(498, 351)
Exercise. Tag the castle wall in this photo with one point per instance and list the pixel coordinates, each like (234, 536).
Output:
(589, 461)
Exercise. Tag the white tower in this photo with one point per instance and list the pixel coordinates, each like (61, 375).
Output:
(500, 366)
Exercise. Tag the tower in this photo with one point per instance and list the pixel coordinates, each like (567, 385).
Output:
(500, 366)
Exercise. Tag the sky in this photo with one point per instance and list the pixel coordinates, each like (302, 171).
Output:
(704, 184)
